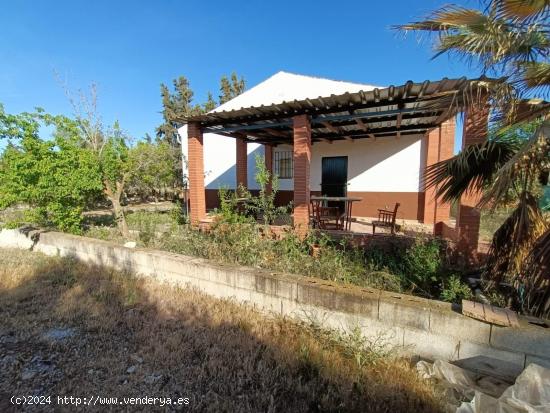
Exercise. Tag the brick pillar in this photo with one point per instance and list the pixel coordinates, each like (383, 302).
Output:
(196, 173)
(241, 163)
(432, 138)
(302, 160)
(446, 151)
(268, 159)
(439, 146)
(475, 131)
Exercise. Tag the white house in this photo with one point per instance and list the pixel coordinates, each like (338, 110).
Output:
(381, 171)
(341, 139)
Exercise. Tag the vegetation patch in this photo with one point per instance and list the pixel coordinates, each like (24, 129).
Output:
(119, 336)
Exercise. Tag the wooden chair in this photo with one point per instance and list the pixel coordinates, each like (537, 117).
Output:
(323, 217)
(386, 219)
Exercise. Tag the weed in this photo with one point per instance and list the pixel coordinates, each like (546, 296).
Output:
(225, 357)
(454, 290)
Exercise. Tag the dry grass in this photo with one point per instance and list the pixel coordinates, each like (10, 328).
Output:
(223, 356)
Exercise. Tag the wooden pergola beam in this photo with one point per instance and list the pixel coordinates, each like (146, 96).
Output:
(362, 124)
(330, 127)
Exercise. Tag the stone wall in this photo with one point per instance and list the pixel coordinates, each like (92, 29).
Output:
(428, 328)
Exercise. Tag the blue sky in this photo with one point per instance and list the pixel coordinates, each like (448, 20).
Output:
(129, 47)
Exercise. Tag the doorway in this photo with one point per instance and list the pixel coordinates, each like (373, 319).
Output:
(334, 176)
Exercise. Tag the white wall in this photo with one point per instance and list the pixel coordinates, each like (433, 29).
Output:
(219, 160)
(385, 165)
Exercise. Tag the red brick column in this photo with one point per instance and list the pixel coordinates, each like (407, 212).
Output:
(446, 151)
(195, 163)
(302, 160)
(432, 138)
(268, 159)
(475, 131)
(439, 146)
(241, 163)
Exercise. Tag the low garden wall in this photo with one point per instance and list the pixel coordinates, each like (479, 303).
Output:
(427, 328)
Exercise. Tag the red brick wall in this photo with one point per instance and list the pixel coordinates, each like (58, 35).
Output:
(302, 160)
(475, 131)
(195, 162)
(241, 163)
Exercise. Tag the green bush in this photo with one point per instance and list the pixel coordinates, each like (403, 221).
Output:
(229, 206)
(454, 290)
(263, 206)
(417, 266)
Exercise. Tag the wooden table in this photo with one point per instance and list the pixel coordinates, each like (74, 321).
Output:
(348, 204)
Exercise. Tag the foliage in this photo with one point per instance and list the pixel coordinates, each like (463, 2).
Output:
(176, 106)
(239, 240)
(230, 88)
(55, 177)
(509, 38)
(263, 205)
(125, 311)
(454, 290)
(229, 212)
(151, 166)
(247, 244)
(419, 265)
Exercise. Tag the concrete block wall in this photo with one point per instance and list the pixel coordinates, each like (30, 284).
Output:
(418, 326)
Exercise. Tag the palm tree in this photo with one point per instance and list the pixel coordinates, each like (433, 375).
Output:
(509, 38)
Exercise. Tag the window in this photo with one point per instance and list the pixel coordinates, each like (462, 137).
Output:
(283, 164)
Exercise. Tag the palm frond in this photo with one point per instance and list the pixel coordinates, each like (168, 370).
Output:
(512, 241)
(447, 18)
(471, 170)
(522, 9)
(536, 75)
(524, 167)
(536, 278)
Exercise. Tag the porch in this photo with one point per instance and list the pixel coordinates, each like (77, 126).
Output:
(417, 115)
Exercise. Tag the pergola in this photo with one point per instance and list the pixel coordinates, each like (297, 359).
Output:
(394, 111)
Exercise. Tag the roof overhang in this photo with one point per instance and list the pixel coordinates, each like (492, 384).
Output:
(411, 108)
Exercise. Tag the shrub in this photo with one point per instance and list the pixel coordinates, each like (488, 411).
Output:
(417, 266)
(263, 205)
(422, 263)
(229, 205)
(454, 290)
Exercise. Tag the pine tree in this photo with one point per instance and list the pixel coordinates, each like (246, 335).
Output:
(225, 89)
(176, 106)
(210, 103)
(231, 88)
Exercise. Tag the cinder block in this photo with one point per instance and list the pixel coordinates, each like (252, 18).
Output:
(430, 346)
(446, 322)
(364, 303)
(544, 362)
(313, 293)
(276, 285)
(224, 276)
(381, 333)
(405, 311)
(528, 339)
(245, 279)
(468, 349)
(265, 302)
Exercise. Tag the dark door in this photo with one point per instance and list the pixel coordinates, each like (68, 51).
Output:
(334, 176)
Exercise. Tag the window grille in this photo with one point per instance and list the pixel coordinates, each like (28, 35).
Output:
(283, 164)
